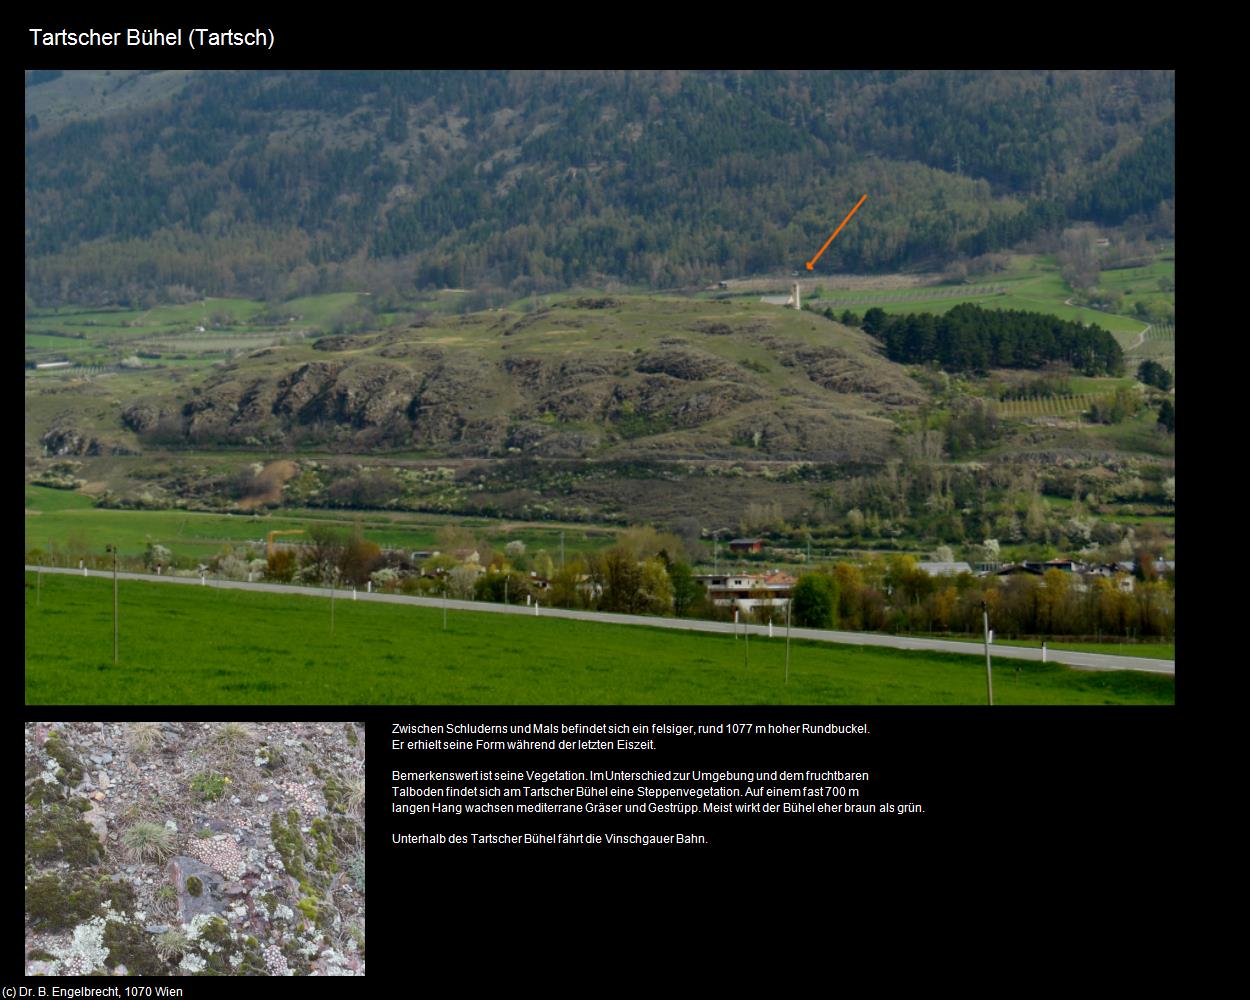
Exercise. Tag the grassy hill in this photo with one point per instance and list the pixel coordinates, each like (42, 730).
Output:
(601, 376)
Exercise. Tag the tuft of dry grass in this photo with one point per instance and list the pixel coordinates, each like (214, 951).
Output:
(143, 737)
(171, 944)
(354, 796)
(148, 842)
(233, 736)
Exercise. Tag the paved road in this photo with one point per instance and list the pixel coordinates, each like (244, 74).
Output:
(1082, 661)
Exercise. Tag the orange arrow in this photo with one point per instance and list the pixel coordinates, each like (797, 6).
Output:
(811, 263)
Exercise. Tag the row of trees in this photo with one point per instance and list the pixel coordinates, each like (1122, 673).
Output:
(640, 576)
(896, 596)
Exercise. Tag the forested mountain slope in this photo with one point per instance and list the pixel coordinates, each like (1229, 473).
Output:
(284, 183)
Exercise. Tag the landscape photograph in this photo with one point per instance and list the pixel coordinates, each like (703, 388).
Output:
(599, 387)
(194, 849)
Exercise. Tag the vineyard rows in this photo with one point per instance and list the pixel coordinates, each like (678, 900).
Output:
(204, 343)
(918, 295)
(1051, 406)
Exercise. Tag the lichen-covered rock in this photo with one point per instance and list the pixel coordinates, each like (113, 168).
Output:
(97, 819)
(57, 833)
(209, 901)
(58, 902)
(86, 951)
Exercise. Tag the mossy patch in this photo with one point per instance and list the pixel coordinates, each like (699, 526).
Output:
(194, 886)
(352, 738)
(311, 910)
(40, 792)
(70, 766)
(336, 794)
(296, 961)
(58, 832)
(289, 843)
(270, 757)
(131, 946)
(311, 860)
(323, 840)
(39, 955)
(248, 958)
(57, 903)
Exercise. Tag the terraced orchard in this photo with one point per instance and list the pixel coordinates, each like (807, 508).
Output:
(187, 848)
(1053, 406)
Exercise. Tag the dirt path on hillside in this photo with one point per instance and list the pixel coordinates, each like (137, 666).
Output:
(269, 483)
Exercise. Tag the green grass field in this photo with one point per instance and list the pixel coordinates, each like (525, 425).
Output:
(67, 521)
(1033, 284)
(171, 329)
(197, 645)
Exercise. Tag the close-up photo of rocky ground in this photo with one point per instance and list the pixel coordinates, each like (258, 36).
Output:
(195, 848)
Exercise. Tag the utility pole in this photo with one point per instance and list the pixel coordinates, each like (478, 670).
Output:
(989, 680)
(788, 603)
(113, 549)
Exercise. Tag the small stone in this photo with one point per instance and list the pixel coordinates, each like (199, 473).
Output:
(171, 826)
(156, 928)
(235, 889)
(98, 796)
(235, 800)
(262, 798)
(106, 757)
(97, 759)
(103, 779)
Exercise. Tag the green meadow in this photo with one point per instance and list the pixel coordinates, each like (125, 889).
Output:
(69, 525)
(200, 645)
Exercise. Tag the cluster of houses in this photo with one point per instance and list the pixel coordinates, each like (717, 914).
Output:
(1082, 573)
(745, 591)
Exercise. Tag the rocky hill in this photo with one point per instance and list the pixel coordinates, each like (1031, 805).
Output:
(604, 378)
